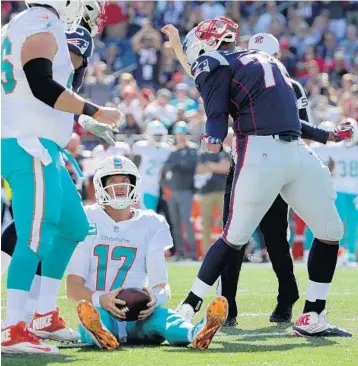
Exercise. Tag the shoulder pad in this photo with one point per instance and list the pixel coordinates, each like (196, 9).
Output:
(208, 62)
(80, 42)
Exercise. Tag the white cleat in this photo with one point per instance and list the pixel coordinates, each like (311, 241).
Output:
(17, 339)
(313, 325)
(52, 326)
(186, 311)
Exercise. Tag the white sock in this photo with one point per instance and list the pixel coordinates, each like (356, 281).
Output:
(5, 262)
(200, 288)
(48, 295)
(33, 298)
(317, 291)
(15, 310)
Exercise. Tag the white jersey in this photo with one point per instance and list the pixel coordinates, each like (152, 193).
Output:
(120, 148)
(344, 161)
(23, 116)
(153, 158)
(115, 254)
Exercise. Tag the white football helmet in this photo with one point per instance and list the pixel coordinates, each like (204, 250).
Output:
(69, 12)
(208, 36)
(116, 165)
(156, 132)
(93, 15)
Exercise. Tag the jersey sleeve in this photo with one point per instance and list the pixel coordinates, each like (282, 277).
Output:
(156, 268)
(36, 20)
(212, 76)
(302, 100)
(162, 238)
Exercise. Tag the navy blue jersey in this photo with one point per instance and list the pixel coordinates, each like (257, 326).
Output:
(250, 86)
(80, 42)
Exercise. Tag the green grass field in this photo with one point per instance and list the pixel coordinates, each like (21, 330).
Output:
(255, 341)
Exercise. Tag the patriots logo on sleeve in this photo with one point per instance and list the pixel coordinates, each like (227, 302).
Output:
(198, 68)
(79, 43)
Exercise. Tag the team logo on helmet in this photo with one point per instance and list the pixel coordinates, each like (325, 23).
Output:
(259, 39)
(79, 43)
(117, 163)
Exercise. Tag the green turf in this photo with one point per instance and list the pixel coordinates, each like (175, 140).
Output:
(254, 341)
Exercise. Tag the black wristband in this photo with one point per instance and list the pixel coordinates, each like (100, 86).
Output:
(90, 109)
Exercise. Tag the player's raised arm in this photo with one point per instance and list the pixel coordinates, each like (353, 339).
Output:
(174, 40)
(213, 79)
(37, 56)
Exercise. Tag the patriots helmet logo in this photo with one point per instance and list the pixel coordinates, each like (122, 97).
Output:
(259, 39)
(117, 163)
(80, 43)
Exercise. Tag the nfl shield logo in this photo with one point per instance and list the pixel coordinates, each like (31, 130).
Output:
(259, 39)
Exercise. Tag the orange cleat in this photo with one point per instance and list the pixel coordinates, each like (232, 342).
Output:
(91, 321)
(214, 318)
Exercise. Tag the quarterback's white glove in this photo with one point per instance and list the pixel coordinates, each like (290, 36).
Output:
(106, 132)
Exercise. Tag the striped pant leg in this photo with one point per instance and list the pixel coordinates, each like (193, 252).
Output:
(37, 199)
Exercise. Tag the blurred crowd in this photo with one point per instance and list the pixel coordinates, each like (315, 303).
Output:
(135, 68)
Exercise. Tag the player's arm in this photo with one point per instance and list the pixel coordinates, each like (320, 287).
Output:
(213, 80)
(174, 40)
(77, 273)
(308, 131)
(37, 55)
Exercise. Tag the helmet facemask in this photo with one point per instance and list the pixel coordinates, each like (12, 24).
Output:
(208, 36)
(114, 195)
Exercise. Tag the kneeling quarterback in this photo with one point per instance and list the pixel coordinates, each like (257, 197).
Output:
(125, 249)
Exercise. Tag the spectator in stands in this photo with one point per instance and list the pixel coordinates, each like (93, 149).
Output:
(126, 79)
(327, 47)
(269, 17)
(350, 44)
(160, 108)
(130, 126)
(182, 99)
(211, 9)
(338, 69)
(212, 170)
(98, 87)
(179, 173)
(169, 12)
(349, 103)
(130, 104)
(169, 66)
(115, 20)
(147, 48)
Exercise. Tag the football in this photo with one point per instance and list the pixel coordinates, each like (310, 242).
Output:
(136, 300)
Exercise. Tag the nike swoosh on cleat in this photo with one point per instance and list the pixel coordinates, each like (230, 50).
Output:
(45, 349)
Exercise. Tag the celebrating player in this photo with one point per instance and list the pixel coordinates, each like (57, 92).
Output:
(48, 212)
(274, 224)
(125, 248)
(150, 156)
(270, 158)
